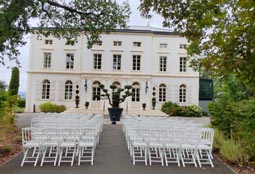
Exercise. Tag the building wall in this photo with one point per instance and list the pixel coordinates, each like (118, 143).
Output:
(83, 71)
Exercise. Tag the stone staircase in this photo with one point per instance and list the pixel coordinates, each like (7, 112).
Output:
(125, 112)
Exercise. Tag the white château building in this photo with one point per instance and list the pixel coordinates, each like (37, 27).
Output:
(143, 57)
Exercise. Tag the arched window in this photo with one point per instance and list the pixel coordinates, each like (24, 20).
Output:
(68, 90)
(182, 93)
(46, 89)
(117, 84)
(96, 91)
(162, 93)
(135, 92)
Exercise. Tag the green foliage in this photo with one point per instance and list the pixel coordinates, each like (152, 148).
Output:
(233, 152)
(219, 139)
(2, 86)
(67, 17)
(117, 95)
(5, 149)
(7, 105)
(173, 109)
(21, 103)
(51, 107)
(14, 82)
(236, 121)
(220, 34)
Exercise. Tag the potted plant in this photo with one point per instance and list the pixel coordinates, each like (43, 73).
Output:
(86, 104)
(144, 106)
(117, 96)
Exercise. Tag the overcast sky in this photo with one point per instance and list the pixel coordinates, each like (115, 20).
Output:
(135, 20)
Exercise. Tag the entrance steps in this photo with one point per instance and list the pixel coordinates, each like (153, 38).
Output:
(131, 112)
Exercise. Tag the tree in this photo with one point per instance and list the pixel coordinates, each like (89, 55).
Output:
(14, 82)
(2, 86)
(66, 17)
(220, 32)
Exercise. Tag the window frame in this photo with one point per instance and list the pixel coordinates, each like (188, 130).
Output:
(183, 64)
(47, 60)
(45, 89)
(116, 62)
(96, 91)
(162, 63)
(70, 64)
(117, 43)
(48, 41)
(136, 62)
(136, 89)
(183, 46)
(68, 90)
(162, 93)
(137, 44)
(97, 61)
(163, 45)
(183, 93)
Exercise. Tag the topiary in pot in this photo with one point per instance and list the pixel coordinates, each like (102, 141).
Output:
(117, 96)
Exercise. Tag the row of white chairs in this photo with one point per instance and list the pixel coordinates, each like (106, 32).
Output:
(61, 142)
(167, 140)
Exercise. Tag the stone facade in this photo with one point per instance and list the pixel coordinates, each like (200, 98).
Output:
(146, 58)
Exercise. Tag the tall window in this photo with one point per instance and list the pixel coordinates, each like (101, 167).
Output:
(117, 84)
(137, 44)
(162, 63)
(46, 89)
(69, 60)
(136, 62)
(136, 92)
(182, 93)
(183, 64)
(47, 60)
(117, 43)
(117, 62)
(97, 61)
(96, 91)
(162, 93)
(69, 90)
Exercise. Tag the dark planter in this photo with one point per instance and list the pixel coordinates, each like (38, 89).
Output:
(115, 113)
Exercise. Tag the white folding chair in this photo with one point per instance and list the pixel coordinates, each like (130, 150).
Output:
(68, 145)
(87, 146)
(172, 147)
(205, 146)
(31, 140)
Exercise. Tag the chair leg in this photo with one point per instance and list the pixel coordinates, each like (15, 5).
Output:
(25, 156)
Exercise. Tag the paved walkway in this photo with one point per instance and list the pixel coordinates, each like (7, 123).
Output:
(111, 158)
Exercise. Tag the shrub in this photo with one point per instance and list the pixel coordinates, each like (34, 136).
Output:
(218, 140)
(5, 149)
(173, 109)
(18, 109)
(193, 111)
(50, 107)
(21, 103)
(233, 152)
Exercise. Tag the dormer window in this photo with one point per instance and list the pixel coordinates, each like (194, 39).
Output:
(183, 46)
(117, 43)
(48, 42)
(99, 43)
(137, 44)
(163, 45)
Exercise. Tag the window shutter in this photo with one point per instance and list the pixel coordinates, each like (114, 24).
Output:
(189, 94)
(52, 90)
(176, 93)
(38, 91)
(168, 93)
(61, 91)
